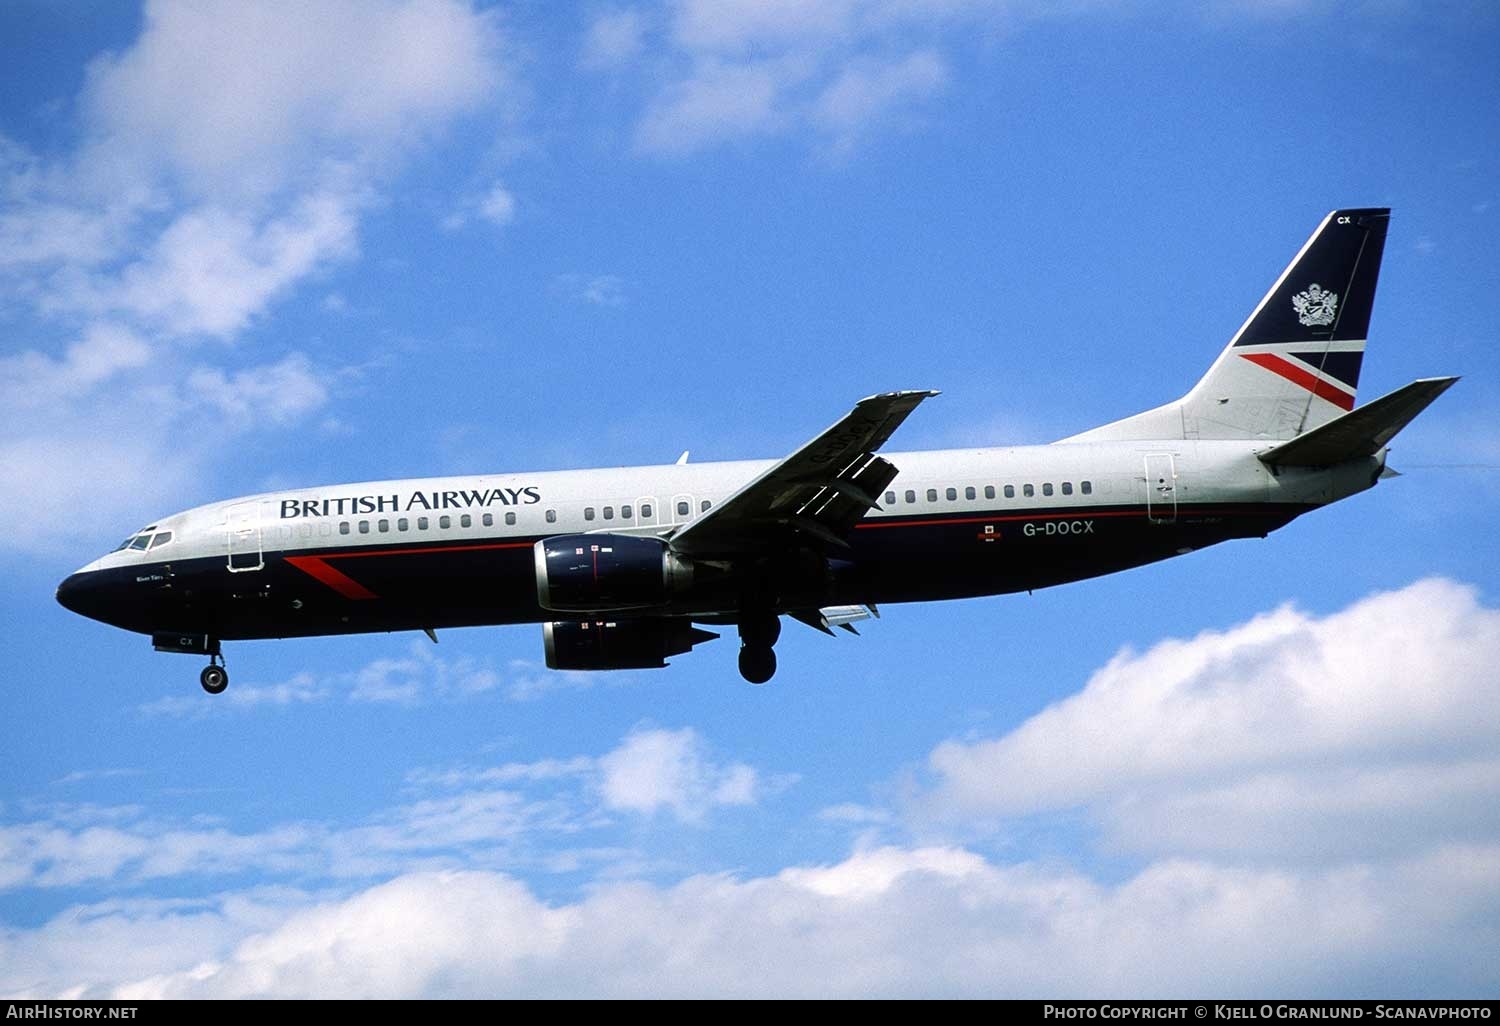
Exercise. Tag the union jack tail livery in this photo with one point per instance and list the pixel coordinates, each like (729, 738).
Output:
(1294, 364)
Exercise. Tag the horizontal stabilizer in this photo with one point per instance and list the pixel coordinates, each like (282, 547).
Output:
(1361, 432)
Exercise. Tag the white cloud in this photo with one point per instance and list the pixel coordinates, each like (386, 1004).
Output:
(485, 816)
(200, 193)
(895, 921)
(498, 206)
(864, 90)
(509, 773)
(33, 379)
(1310, 800)
(832, 73)
(613, 38)
(211, 270)
(528, 681)
(735, 26)
(277, 393)
(656, 769)
(288, 87)
(1373, 729)
(423, 675)
(596, 289)
(719, 101)
(754, 68)
(99, 441)
(89, 948)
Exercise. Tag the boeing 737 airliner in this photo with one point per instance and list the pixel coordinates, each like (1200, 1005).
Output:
(621, 566)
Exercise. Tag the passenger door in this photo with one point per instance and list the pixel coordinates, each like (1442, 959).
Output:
(243, 529)
(1161, 488)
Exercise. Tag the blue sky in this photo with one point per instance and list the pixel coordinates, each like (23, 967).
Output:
(247, 247)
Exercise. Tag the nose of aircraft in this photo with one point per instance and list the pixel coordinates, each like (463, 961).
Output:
(81, 593)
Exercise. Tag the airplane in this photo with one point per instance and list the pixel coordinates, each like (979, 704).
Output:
(626, 568)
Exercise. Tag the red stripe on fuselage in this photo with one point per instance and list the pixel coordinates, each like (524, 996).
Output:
(342, 583)
(1297, 376)
(317, 567)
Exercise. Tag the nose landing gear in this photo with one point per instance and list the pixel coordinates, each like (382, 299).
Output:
(758, 636)
(215, 677)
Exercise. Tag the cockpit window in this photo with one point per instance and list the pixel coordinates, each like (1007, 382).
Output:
(138, 541)
(161, 539)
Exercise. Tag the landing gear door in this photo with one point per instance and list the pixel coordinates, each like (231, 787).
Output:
(242, 525)
(1161, 488)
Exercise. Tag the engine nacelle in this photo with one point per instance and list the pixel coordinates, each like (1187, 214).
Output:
(596, 573)
(622, 645)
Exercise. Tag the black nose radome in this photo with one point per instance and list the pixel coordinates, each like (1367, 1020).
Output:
(80, 594)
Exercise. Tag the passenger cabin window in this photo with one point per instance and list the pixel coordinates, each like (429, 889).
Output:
(364, 527)
(609, 512)
(1047, 488)
(989, 491)
(466, 521)
(445, 521)
(932, 495)
(890, 498)
(344, 527)
(1028, 491)
(704, 506)
(588, 513)
(911, 495)
(402, 524)
(625, 513)
(510, 519)
(683, 509)
(969, 493)
(1087, 487)
(552, 516)
(952, 494)
(421, 523)
(384, 526)
(1067, 487)
(1010, 491)
(489, 520)
(646, 510)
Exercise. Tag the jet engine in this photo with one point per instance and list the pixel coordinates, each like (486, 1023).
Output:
(595, 573)
(622, 645)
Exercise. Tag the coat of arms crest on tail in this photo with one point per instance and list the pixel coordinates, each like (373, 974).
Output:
(1315, 306)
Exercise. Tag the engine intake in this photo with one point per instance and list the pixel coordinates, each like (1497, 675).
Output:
(595, 573)
(622, 645)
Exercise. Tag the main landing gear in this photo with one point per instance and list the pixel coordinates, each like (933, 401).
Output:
(758, 636)
(215, 677)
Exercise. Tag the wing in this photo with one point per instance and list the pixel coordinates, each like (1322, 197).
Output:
(817, 493)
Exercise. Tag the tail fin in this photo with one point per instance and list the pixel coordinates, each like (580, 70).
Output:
(1294, 364)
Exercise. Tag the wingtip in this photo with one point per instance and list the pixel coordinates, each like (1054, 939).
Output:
(919, 394)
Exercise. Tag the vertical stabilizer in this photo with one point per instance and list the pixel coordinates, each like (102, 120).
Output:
(1294, 364)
